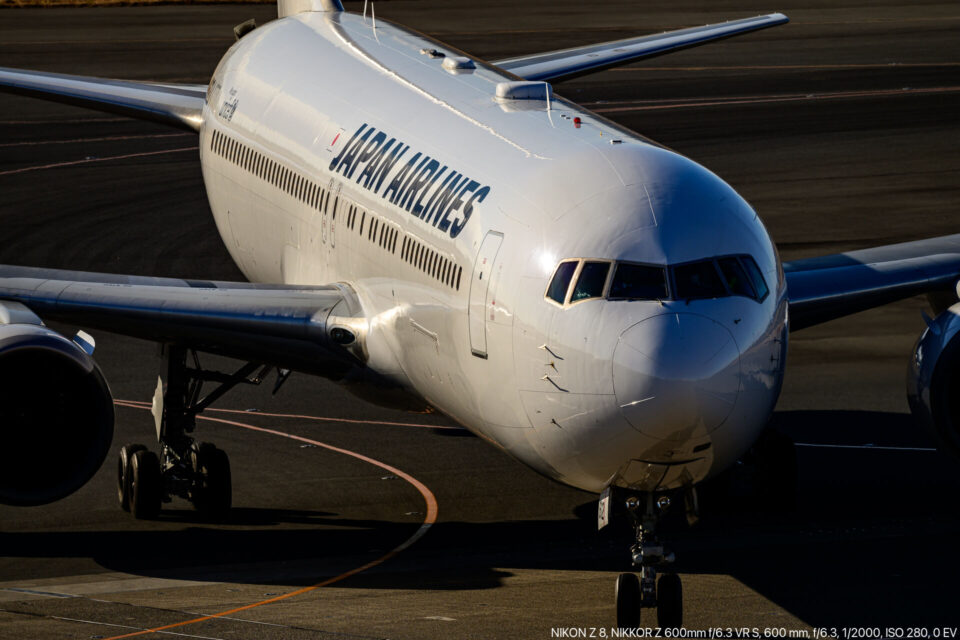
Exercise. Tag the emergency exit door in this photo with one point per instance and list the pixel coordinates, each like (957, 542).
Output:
(481, 294)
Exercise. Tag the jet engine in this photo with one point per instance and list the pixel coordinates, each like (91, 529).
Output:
(56, 415)
(933, 379)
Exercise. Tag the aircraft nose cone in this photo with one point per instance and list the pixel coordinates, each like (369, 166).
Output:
(676, 375)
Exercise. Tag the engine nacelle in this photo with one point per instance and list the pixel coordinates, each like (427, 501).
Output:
(933, 379)
(56, 415)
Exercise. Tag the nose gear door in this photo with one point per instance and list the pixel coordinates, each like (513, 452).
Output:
(482, 295)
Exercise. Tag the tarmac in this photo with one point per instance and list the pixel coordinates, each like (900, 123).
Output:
(840, 128)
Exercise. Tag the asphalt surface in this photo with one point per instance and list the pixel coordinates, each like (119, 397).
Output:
(841, 129)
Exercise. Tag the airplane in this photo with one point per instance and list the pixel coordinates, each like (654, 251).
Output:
(431, 228)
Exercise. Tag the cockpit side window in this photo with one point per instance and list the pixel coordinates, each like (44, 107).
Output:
(736, 277)
(557, 291)
(639, 282)
(698, 280)
(590, 284)
(759, 284)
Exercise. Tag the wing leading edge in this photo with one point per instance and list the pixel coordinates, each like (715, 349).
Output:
(177, 105)
(274, 324)
(829, 287)
(570, 63)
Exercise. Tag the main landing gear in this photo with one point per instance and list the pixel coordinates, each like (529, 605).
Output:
(196, 471)
(634, 593)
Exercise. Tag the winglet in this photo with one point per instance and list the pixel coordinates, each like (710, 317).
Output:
(292, 7)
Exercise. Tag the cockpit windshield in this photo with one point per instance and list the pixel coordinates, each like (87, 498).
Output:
(639, 282)
(698, 280)
(591, 281)
(577, 280)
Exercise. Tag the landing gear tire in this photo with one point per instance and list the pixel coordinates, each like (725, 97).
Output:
(145, 491)
(669, 602)
(123, 476)
(212, 493)
(627, 593)
(649, 555)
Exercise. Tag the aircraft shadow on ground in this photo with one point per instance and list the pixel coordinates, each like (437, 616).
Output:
(872, 536)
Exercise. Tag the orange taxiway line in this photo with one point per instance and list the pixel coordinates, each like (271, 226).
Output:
(428, 521)
(141, 403)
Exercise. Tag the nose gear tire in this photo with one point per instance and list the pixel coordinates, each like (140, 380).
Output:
(627, 591)
(669, 602)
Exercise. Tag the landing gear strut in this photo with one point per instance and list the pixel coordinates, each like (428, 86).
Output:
(196, 471)
(634, 593)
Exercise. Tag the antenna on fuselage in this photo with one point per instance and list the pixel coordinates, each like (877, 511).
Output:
(373, 15)
(365, 10)
(546, 88)
(286, 8)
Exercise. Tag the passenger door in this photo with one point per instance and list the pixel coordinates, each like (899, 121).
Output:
(482, 295)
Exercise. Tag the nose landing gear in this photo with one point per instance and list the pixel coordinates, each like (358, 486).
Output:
(635, 593)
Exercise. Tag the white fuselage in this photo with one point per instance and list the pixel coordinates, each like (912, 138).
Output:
(336, 152)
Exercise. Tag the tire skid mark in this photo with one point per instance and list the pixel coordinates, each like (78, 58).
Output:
(429, 519)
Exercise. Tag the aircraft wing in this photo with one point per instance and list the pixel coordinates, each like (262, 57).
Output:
(172, 104)
(181, 105)
(570, 63)
(829, 287)
(285, 326)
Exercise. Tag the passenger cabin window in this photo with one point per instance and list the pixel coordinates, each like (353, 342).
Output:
(380, 230)
(639, 282)
(698, 280)
(593, 277)
(561, 281)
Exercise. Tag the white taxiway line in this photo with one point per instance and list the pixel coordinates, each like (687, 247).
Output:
(57, 165)
(35, 143)
(861, 446)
